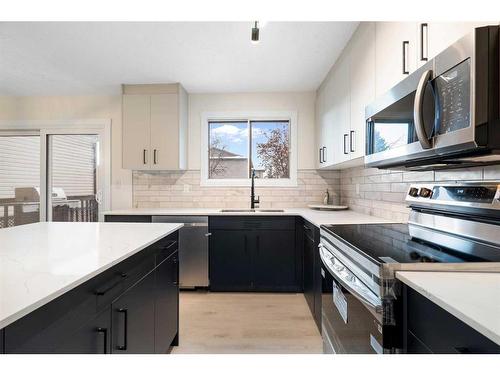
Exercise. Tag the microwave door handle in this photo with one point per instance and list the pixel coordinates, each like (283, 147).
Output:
(418, 116)
(362, 293)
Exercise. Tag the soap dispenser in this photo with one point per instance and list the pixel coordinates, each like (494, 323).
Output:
(326, 197)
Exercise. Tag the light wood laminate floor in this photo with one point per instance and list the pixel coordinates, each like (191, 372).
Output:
(217, 323)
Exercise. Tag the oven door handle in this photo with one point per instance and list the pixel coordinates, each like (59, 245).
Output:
(349, 281)
(418, 116)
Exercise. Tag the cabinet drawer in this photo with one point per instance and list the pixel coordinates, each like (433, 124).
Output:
(440, 331)
(252, 222)
(166, 247)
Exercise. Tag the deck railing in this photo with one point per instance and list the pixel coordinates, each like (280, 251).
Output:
(77, 209)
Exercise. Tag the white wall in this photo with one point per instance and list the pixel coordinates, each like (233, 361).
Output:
(301, 102)
(78, 108)
(109, 107)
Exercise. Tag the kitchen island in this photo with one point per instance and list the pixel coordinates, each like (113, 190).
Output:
(88, 288)
(452, 312)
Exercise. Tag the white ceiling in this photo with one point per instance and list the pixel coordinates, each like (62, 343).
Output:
(95, 58)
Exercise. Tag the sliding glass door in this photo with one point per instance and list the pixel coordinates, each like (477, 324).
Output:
(54, 173)
(19, 179)
(72, 177)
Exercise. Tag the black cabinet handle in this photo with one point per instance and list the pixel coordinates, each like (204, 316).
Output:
(406, 44)
(174, 262)
(104, 332)
(424, 40)
(345, 144)
(324, 154)
(101, 292)
(169, 245)
(144, 157)
(125, 326)
(352, 139)
(320, 155)
(154, 156)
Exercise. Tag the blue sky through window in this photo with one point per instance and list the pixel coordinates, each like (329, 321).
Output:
(233, 137)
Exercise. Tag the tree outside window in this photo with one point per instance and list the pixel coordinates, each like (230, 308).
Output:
(237, 147)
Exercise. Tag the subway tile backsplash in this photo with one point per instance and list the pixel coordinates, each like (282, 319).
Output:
(182, 189)
(371, 191)
(382, 193)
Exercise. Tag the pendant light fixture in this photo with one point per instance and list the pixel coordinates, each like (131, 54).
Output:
(255, 33)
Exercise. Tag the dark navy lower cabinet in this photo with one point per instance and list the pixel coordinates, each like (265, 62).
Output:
(254, 253)
(430, 329)
(167, 304)
(129, 308)
(312, 279)
(133, 319)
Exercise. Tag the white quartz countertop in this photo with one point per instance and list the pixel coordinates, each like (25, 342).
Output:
(40, 262)
(314, 216)
(472, 297)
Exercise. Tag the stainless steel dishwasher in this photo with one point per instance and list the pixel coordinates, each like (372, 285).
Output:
(193, 249)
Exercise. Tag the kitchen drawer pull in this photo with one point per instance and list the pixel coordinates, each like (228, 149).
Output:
(406, 45)
(104, 332)
(144, 156)
(321, 155)
(169, 245)
(324, 154)
(345, 144)
(102, 292)
(154, 156)
(352, 141)
(125, 327)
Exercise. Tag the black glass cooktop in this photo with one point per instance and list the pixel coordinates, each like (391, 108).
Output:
(388, 243)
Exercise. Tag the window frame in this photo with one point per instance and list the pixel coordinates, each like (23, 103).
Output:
(290, 116)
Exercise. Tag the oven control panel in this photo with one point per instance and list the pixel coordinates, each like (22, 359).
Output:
(470, 194)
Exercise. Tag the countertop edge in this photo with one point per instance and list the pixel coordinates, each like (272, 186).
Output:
(49, 298)
(309, 215)
(478, 326)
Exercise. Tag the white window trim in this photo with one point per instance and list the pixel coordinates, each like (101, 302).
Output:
(291, 116)
(102, 127)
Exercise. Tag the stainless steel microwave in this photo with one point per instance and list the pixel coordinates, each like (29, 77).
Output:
(445, 114)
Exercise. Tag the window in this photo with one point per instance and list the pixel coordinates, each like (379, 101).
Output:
(237, 145)
(228, 149)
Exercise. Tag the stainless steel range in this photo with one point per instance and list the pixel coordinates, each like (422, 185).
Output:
(452, 226)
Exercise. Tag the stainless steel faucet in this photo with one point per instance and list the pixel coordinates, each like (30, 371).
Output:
(253, 201)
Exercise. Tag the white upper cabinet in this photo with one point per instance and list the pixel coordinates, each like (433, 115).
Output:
(325, 123)
(341, 100)
(434, 37)
(136, 131)
(378, 56)
(362, 84)
(154, 127)
(341, 105)
(395, 57)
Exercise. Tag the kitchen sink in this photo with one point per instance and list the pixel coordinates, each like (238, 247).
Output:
(251, 210)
